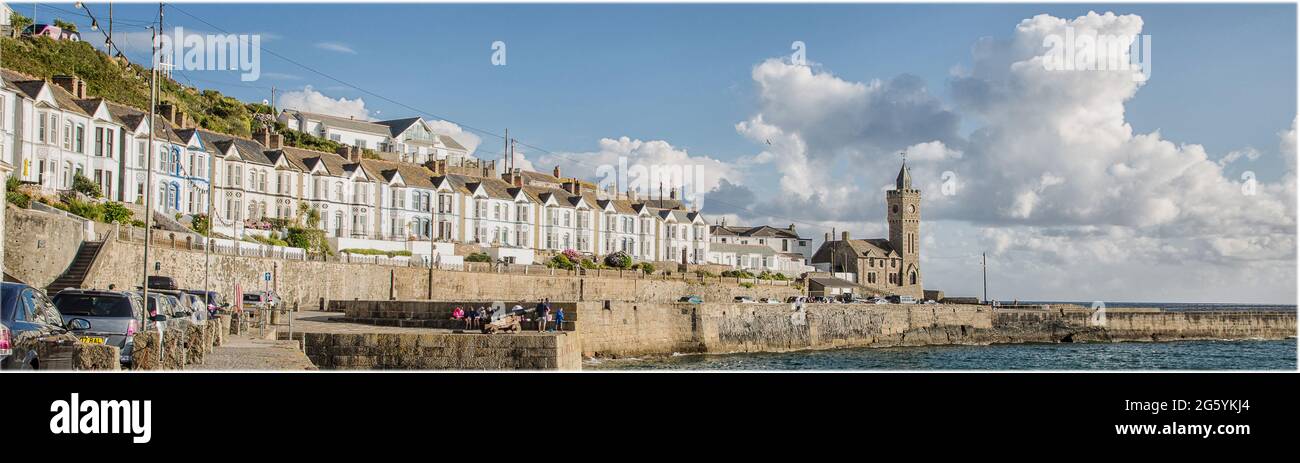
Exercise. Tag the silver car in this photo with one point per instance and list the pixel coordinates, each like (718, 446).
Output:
(114, 316)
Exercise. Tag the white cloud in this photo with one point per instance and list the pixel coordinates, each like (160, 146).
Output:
(648, 163)
(336, 47)
(469, 140)
(310, 100)
(1053, 179)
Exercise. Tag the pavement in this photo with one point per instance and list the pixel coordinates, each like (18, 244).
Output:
(243, 353)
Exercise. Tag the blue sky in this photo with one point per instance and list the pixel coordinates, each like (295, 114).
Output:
(1068, 207)
(577, 73)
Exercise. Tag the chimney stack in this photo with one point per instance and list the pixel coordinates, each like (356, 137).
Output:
(167, 111)
(573, 187)
(72, 84)
(276, 141)
(828, 237)
(845, 234)
(631, 194)
(351, 153)
(263, 136)
(556, 172)
(513, 177)
(672, 193)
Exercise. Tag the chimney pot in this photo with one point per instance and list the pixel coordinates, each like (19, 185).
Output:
(828, 236)
(845, 234)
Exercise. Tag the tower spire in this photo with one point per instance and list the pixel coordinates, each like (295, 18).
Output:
(904, 181)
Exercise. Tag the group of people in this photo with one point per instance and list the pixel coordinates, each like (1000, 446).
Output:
(473, 318)
(542, 314)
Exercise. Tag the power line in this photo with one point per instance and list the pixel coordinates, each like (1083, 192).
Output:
(490, 133)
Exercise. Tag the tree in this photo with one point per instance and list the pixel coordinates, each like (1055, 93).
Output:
(19, 21)
(67, 26)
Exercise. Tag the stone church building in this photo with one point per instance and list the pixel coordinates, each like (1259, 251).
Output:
(891, 265)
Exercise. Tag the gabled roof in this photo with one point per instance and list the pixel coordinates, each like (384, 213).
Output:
(397, 126)
(412, 175)
(355, 125)
(742, 248)
(760, 231)
(831, 282)
(249, 150)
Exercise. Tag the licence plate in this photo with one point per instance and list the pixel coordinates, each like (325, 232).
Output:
(92, 339)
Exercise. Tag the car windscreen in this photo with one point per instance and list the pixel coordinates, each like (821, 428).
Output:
(252, 298)
(91, 305)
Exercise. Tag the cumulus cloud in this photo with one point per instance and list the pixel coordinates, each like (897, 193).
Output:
(310, 100)
(468, 140)
(1053, 177)
(647, 164)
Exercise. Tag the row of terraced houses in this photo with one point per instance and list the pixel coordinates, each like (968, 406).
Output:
(424, 193)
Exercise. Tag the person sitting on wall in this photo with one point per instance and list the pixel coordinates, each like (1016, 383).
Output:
(457, 313)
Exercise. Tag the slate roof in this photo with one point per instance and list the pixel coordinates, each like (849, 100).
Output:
(344, 123)
(742, 248)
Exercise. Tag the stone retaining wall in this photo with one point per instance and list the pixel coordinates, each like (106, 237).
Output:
(415, 351)
(306, 282)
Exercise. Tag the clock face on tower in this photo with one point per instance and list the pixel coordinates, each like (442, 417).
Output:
(911, 208)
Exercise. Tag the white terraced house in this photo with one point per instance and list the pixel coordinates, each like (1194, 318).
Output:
(11, 104)
(59, 133)
(48, 134)
(410, 140)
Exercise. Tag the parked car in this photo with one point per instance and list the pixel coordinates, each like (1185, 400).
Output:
(898, 299)
(769, 301)
(27, 316)
(877, 300)
(162, 282)
(929, 301)
(744, 300)
(213, 299)
(820, 300)
(112, 317)
(258, 300)
(796, 299)
(691, 299)
(850, 298)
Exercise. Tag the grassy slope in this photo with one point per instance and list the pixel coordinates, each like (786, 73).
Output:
(124, 82)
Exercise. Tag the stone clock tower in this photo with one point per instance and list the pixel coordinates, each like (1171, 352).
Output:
(904, 205)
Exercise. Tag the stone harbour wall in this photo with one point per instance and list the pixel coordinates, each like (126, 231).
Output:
(443, 351)
(649, 329)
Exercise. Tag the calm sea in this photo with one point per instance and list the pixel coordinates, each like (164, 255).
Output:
(1175, 355)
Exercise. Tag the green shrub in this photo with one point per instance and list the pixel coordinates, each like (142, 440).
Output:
(375, 252)
(14, 194)
(117, 213)
(737, 274)
(478, 257)
(705, 274)
(648, 268)
(85, 186)
(589, 265)
(86, 209)
(560, 261)
(310, 239)
(746, 284)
